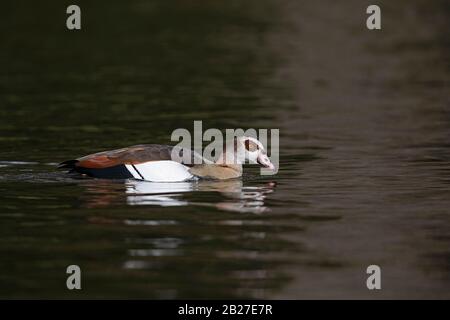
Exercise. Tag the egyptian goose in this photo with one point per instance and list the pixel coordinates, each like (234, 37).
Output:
(153, 162)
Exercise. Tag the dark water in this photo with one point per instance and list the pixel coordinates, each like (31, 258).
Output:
(364, 119)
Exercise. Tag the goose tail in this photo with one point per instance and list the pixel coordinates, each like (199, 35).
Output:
(69, 164)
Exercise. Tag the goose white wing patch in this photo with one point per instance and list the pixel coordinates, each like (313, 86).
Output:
(160, 171)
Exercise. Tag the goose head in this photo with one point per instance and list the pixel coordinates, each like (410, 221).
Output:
(255, 152)
(249, 148)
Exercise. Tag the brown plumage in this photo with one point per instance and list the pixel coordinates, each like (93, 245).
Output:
(131, 155)
(216, 171)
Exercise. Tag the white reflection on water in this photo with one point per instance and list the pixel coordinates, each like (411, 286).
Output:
(149, 222)
(140, 264)
(154, 252)
(164, 194)
(11, 163)
(236, 197)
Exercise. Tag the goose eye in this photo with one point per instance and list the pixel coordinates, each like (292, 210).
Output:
(251, 146)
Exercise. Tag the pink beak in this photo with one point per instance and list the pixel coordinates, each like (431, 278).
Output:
(264, 161)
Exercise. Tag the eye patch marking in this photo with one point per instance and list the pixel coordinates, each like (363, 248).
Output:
(251, 146)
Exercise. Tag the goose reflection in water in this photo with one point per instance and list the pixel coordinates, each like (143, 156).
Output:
(234, 195)
(160, 242)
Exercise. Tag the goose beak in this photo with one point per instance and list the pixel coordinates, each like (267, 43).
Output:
(265, 162)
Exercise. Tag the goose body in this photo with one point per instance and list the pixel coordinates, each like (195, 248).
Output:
(160, 171)
(154, 162)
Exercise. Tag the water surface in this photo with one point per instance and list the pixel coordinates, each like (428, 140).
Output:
(364, 125)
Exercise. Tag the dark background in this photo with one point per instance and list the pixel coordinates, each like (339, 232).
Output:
(364, 125)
